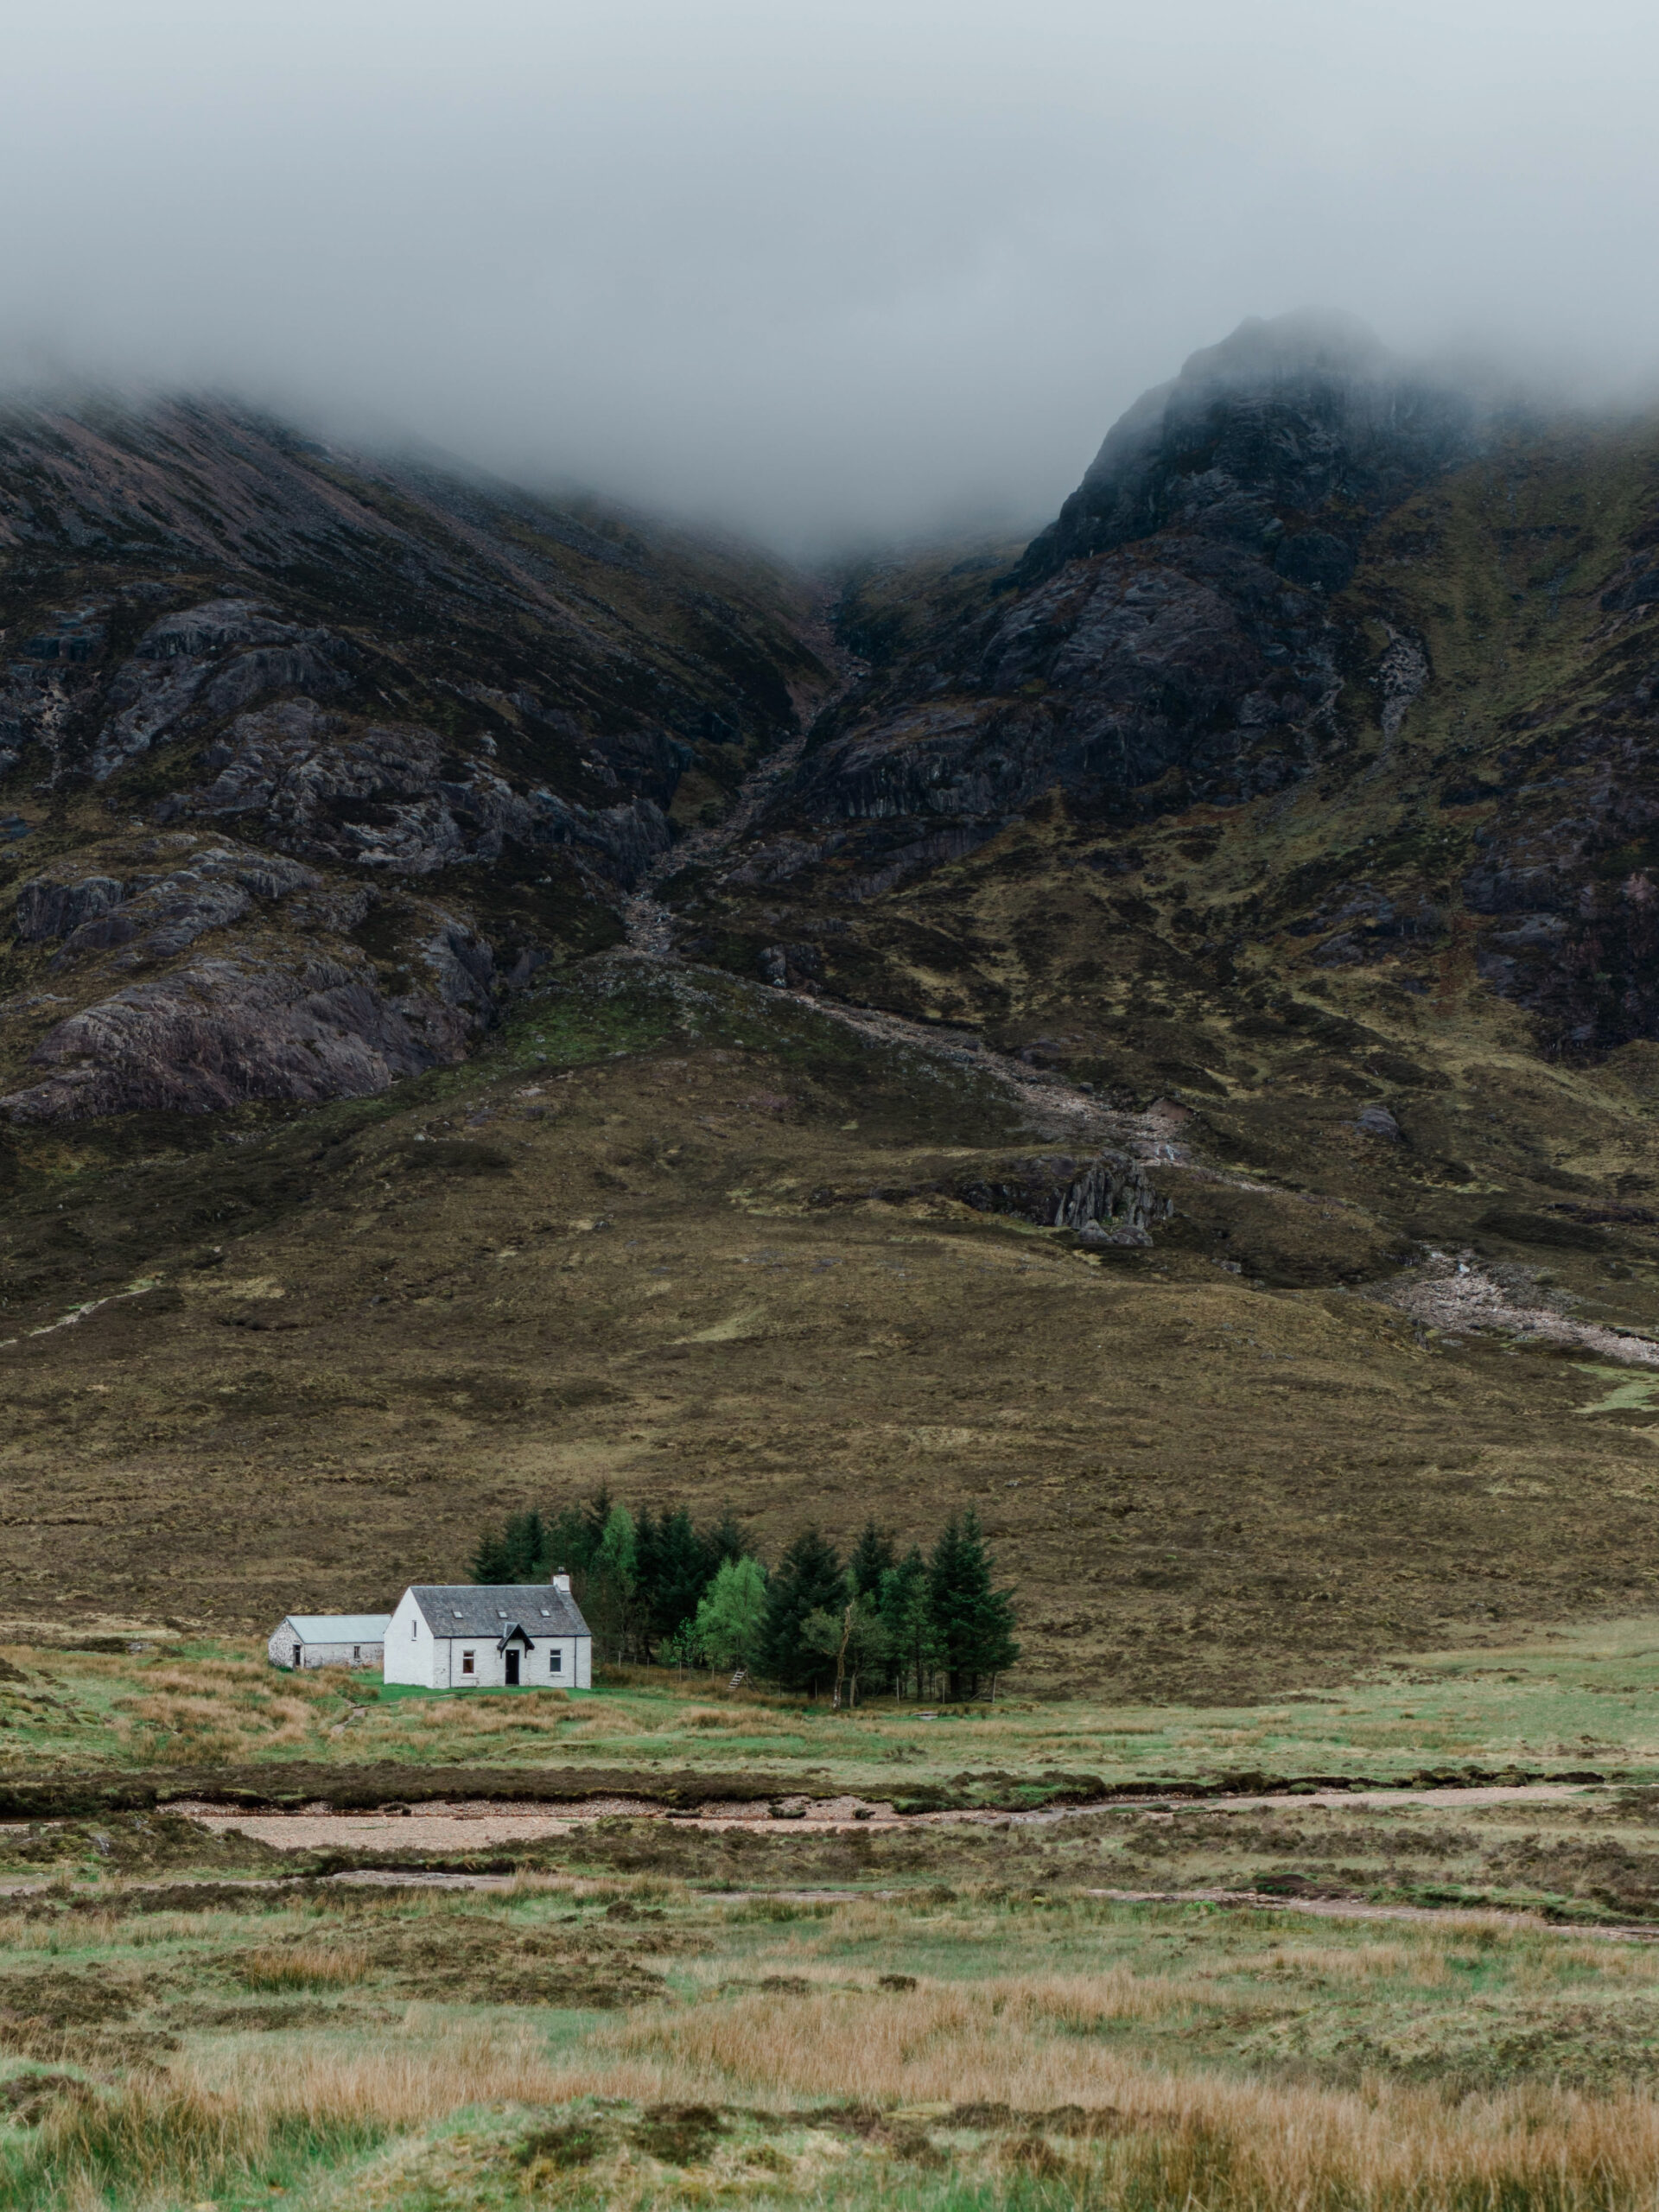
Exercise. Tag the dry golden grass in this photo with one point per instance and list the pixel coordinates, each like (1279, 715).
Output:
(1177, 2139)
(404, 2081)
(1424, 1963)
(216, 2116)
(304, 1966)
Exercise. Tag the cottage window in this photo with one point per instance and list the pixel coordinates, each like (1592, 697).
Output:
(466, 1662)
(357, 1651)
(555, 1662)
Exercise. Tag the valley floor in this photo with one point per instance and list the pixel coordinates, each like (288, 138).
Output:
(1441, 1989)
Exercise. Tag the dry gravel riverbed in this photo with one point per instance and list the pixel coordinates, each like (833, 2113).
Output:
(475, 1825)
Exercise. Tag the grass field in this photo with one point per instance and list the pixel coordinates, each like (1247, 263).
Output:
(588, 2038)
(1567, 1699)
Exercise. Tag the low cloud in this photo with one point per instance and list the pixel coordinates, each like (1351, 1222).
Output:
(823, 273)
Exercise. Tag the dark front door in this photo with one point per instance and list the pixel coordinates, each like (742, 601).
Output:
(512, 1666)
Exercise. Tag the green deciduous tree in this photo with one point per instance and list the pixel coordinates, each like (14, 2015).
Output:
(612, 1601)
(732, 1614)
(854, 1640)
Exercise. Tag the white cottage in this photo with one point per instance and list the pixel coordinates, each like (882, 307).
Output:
(467, 1636)
(329, 1640)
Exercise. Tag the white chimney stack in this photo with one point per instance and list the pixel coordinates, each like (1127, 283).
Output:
(562, 1582)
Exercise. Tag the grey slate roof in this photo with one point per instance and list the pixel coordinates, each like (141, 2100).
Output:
(491, 1608)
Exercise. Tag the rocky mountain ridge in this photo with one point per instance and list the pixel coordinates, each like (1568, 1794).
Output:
(1305, 755)
(310, 758)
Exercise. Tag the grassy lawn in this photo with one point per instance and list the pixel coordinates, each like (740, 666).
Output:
(1554, 1702)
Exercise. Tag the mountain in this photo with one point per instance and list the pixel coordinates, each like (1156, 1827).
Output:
(1154, 1032)
(1306, 763)
(310, 757)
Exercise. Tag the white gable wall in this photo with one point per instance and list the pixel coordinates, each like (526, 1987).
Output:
(409, 1646)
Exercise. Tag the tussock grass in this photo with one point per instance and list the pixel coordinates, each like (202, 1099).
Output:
(206, 2126)
(1182, 2141)
(1423, 1963)
(304, 1966)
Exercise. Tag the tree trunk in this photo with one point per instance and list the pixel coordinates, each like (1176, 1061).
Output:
(840, 1656)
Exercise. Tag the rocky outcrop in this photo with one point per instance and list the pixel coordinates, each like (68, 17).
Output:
(46, 910)
(1109, 1193)
(1285, 438)
(219, 1032)
(206, 663)
(285, 1002)
(1107, 1199)
(386, 796)
(154, 916)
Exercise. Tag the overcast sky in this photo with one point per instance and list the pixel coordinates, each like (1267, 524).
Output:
(821, 270)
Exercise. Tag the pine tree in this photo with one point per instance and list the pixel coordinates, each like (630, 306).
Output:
(973, 1623)
(679, 1574)
(725, 1541)
(647, 1533)
(571, 1542)
(490, 1562)
(807, 1580)
(525, 1543)
(908, 1613)
(872, 1557)
(596, 1514)
(513, 1552)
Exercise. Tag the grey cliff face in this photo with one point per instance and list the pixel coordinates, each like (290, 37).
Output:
(305, 1016)
(1170, 639)
(384, 796)
(222, 1033)
(405, 737)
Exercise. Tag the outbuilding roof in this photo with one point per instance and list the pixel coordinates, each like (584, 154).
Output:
(493, 1608)
(340, 1628)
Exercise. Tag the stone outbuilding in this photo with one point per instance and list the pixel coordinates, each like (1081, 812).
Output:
(467, 1636)
(329, 1640)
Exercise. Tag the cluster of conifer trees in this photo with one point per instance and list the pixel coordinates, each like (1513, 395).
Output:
(657, 1588)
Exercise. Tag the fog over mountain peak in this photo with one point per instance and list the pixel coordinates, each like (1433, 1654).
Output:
(822, 275)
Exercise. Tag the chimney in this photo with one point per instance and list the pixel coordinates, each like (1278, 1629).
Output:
(562, 1581)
